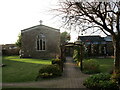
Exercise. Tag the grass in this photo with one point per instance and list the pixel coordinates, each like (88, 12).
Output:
(27, 60)
(26, 70)
(106, 64)
(21, 70)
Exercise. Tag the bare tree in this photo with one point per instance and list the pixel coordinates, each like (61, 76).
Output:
(102, 15)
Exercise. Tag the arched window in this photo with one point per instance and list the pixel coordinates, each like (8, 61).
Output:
(41, 42)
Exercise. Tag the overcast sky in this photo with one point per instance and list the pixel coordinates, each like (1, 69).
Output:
(16, 15)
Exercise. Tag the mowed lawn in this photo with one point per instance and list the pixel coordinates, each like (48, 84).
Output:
(21, 70)
(106, 64)
(26, 69)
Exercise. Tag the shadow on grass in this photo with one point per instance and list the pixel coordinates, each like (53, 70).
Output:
(27, 60)
(18, 71)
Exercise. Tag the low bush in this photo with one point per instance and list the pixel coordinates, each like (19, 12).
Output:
(49, 71)
(91, 66)
(58, 62)
(75, 55)
(100, 81)
(116, 77)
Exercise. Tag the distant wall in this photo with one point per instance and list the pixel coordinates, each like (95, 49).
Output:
(10, 49)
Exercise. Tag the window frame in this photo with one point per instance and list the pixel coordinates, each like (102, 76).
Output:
(41, 37)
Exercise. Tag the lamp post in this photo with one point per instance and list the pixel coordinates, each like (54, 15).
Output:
(79, 43)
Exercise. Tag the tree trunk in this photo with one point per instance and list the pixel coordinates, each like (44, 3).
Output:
(116, 44)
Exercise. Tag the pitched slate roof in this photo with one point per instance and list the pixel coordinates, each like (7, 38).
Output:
(108, 38)
(91, 39)
(39, 26)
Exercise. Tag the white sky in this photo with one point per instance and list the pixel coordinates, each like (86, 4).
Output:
(16, 15)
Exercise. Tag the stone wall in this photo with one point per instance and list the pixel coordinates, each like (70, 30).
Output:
(29, 46)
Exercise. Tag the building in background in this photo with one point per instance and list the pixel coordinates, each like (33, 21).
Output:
(97, 45)
(10, 49)
(109, 45)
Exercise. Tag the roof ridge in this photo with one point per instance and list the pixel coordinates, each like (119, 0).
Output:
(27, 29)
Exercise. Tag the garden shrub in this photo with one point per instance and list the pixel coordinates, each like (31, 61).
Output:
(101, 81)
(75, 55)
(116, 77)
(58, 62)
(49, 71)
(91, 66)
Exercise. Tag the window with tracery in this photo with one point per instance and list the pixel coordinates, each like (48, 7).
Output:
(41, 42)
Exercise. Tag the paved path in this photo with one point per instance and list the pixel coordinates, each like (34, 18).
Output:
(72, 78)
